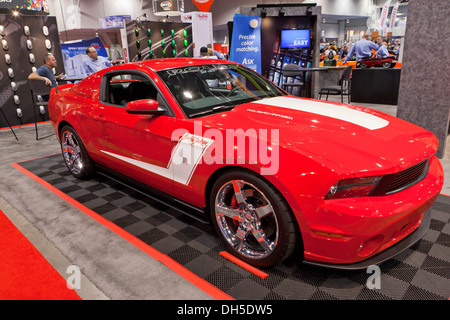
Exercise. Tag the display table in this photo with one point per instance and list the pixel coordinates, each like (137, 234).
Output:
(306, 89)
(375, 85)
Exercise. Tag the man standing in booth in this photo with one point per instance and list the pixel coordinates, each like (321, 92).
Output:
(362, 48)
(45, 72)
(94, 63)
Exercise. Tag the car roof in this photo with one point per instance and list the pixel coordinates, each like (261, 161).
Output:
(170, 63)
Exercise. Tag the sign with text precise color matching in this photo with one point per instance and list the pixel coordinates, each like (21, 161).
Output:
(246, 41)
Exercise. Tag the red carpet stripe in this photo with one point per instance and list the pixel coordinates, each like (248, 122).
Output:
(244, 265)
(163, 258)
(24, 273)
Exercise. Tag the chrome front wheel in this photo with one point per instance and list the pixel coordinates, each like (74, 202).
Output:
(246, 219)
(252, 219)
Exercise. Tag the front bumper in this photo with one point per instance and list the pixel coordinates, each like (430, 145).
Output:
(385, 255)
(355, 233)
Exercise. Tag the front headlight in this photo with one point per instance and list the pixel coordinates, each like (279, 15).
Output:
(354, 187)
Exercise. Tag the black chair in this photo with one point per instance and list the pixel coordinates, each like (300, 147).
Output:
(342, 88)
(39, 88)
(291, 72)
(6, 119)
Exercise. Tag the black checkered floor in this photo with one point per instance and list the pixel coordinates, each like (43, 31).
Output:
(420, 273)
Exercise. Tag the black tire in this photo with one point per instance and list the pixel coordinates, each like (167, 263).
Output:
(386, 65)
(75, 155)
(263, 214)
(363, 66)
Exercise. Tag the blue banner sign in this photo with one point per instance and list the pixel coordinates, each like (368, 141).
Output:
(74, 54)
(246, 41)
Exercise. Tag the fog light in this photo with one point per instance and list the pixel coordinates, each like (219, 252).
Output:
(370, 246)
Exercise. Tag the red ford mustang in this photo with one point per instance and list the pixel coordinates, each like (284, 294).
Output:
(341, 186)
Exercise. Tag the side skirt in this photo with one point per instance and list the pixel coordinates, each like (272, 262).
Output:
(196, 213)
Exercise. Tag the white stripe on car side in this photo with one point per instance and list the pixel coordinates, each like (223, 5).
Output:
(335, 111)
(186, 155)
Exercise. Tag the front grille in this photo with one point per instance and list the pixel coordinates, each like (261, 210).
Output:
(399, 181)
(407, 177)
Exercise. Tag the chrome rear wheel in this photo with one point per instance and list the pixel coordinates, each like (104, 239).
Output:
(75, 155)
(71, 152)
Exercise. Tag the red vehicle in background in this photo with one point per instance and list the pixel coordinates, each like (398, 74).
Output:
(387, 62)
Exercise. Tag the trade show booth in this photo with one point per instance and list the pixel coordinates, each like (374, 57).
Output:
(289, 35)
(173, 173)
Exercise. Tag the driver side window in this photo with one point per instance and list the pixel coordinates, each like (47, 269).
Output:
(125, 88)
(121, 88)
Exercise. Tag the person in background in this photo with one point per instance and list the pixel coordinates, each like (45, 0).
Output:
(333, 46)
(322, 54)
(203, 52)
(362, 48)
(207, 53)
(216, 53)
(379, 40)
(382, 51)
(94, 63)
(344, 52)
(330, 53)
(45, 72)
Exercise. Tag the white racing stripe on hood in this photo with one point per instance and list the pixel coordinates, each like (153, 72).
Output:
(335, 111)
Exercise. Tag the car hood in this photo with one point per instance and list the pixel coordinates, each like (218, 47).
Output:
(355, 138)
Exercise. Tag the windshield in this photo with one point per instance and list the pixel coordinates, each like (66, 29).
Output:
(205, 89)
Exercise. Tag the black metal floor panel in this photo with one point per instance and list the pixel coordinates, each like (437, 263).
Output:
(420, 273)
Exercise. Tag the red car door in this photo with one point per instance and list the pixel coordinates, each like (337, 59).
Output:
(136, 145)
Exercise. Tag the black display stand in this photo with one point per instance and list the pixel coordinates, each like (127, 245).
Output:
(25, 40)
(153, 39)
(375, 85)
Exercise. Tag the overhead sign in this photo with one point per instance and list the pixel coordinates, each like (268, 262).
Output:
(168, 7)
(113, 21)
(246, 41)
(203, 5)
(394, 15)
(384, 14)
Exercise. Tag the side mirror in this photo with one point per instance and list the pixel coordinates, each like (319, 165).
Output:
(147, 106)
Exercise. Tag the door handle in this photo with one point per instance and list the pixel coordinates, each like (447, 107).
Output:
(100, 117)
